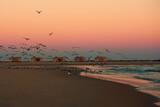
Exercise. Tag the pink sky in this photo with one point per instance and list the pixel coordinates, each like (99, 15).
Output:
(114, 24)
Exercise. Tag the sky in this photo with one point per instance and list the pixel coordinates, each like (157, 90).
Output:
(127, 26)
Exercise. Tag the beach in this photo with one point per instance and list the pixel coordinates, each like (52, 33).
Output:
(145, 78)
(55, 88)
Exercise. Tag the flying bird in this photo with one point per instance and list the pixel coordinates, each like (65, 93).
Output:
(1, 46)
(39, 11)
(40, 44)
(89, 58)
(22, 47)
(27, 39)
(24, 53)
(107, 50)
(66, 57)
(75, 47)
(28, 49)
(35, 47)
(51, 33)
(7, 55)
(12, 47)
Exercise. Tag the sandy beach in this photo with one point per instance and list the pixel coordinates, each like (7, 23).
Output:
(54, 88)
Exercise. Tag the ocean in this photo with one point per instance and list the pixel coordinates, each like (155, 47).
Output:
(146, 72)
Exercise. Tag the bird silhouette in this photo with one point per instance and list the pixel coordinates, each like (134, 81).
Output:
(51, 33)
(68, 73)
(28, 49)
(89, 58)
(107, 50)
(40, 44)
(75, 47)
(67, 58)
(12, 47)
(1, 46)
(39, 11)
(27, 39)
(22, 47)
(7, 55)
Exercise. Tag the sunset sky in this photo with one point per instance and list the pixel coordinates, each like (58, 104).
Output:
(119, 25)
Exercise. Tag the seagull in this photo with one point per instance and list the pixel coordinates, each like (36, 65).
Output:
(27, 39)
(1, 46)
(51, 33)
(89, 58)
(39, 11)
(12, 47)
(24, 53)
(22, 47)
(66, 57)
(7, 55)
(35, 47)
(28, 49)
(68, 73)
(75, 47)
(40, 44)
(107, 50)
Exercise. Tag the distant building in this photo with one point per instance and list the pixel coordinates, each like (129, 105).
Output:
(79, 59)
(15, 59)
(100, 59)
(59, 59)
(36, 59)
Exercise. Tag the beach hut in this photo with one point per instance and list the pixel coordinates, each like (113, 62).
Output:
(36, 59)
(79, 59)
(59, 59)
(100, 59)
(15, 59)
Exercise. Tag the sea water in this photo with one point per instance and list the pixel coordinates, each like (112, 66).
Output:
(146, 72)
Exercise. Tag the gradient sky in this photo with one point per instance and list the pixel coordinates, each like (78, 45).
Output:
(126, 25)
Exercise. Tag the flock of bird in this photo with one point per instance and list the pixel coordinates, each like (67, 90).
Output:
(27, 50)
(39, 49)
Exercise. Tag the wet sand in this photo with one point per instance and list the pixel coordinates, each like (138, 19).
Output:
(54, 88)
(125, 79)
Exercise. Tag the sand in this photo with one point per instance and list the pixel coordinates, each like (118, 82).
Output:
(125, 79)
(54, 88)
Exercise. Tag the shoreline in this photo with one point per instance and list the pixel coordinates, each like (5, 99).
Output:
(131, 81)
(38, 87)
(110, 62)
